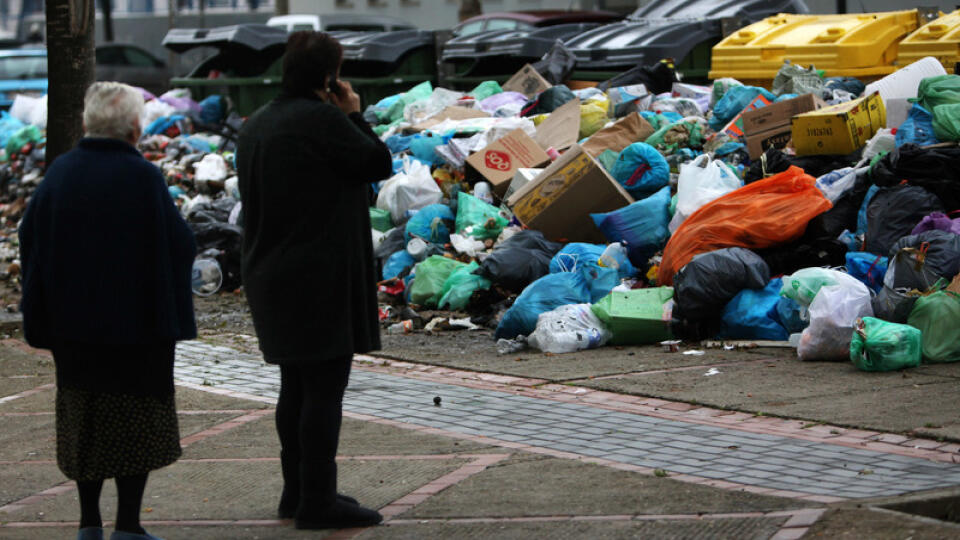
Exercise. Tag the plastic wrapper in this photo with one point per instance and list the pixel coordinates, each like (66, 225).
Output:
(547, 293)
(833, 314)
(803, 285)
(478, 219)
(937, 316)
(568, 329)
(412, 189)
(700, 182)
(878, 345)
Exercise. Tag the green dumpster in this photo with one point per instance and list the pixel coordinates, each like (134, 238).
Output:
(380, 64)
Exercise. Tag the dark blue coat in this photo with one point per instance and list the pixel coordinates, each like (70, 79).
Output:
(106, 257)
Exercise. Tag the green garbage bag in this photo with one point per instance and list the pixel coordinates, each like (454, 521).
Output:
(937, 316)
(430, 275)
(478, 219)
(805, 283)
(380, 219)
(485, 90)
(636, 317)
(673, 205)
(878, 345)
(939, 90)
(460, 286)
(417, 93)
(946, 122)
(27, 134)
(671, 138)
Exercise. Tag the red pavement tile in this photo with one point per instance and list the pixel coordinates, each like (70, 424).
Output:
(926, 444)
(889, 438)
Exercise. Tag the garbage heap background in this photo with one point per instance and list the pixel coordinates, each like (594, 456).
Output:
(849, 256)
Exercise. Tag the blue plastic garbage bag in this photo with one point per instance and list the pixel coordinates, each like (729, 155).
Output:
(212, 109)
(423, 147)
(642, 225)
(8, 126)
(641, 170)
(398, 143)
(396, 263)
(868, 268)
(917, 128)
(431, 223)
(792, 315)
(862, 213)
(545, 294)
(585, 259)
(163, 123)
(733, 101)
(752, 314)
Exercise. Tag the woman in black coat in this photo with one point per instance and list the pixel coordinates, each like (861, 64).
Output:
(305, 163)
(106, 286)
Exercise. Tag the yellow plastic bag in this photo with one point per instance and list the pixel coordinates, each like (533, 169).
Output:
(593, 116)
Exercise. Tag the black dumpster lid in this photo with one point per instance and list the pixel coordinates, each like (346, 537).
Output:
(531, 44)
(255, 37)
(753, 10)
(382, 46)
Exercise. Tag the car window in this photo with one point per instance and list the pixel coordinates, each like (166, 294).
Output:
(470, 28)
(23, 67)
(301, 26)
(138, 58)
(110, 56)
(501, 24)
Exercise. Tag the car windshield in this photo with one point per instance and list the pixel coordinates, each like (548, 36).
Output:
(23, 67)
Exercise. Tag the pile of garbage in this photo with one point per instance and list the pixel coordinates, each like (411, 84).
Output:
(644, 210)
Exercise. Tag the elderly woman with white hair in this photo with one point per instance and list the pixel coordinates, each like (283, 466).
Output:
(106, 286)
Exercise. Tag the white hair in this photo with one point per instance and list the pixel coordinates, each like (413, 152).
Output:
(111, 110)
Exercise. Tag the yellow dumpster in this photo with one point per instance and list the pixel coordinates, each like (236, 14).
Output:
(862, 45)
(939, 38)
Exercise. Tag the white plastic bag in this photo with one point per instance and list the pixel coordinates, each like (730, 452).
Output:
(466, 244)
(211, 168)
(568, 329)
(833, 313)
(30, 110)
(441, 98)
(701, 181)
(411, 189)
(835, 183)
(154, 109)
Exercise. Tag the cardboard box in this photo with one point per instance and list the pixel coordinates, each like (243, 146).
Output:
(520, 179)
(734, 128)
(621, 134)
(559, 201)
(779, 114)
(759, 143)
(839, 129)
(499, 160)
(561, 128)
(527, 81)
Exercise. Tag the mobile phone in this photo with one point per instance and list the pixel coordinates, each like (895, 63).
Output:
(336, 88)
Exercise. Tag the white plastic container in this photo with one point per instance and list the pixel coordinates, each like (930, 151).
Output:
(902, 84)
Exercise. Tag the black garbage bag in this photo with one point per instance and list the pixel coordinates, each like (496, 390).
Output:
(519, 260)
(394, 242)
(557, 64)
(894, 212)
(843, 215)
(215, 211)
(227, 241)
(658, 78)
(704, 285)
(936, 169)
(804, 253)
(917, 263)
(548, 101)
(775, 161)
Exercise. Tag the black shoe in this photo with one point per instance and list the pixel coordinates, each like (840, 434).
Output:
(339, 515)
(288, 510)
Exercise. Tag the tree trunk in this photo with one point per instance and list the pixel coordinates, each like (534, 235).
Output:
(106, 9)
(69, 71)
(469, 8)
(281, 7)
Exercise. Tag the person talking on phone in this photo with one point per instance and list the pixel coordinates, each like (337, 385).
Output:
(305, 163)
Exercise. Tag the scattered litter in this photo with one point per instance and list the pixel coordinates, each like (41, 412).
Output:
(712, 371)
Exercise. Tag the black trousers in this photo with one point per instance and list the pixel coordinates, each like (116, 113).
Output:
(309, 414)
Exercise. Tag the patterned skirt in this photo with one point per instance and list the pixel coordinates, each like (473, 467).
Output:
(106, 435)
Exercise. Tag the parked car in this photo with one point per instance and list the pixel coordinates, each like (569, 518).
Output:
(340, 22)
(22, 71)
(132, 65)
(530, 19)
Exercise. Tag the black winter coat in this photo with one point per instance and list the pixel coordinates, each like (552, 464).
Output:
(106, 256)
(308, 270)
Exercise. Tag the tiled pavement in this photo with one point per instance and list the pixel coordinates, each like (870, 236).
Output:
(675, 440)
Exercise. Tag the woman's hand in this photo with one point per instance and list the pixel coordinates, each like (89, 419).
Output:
(346, 99)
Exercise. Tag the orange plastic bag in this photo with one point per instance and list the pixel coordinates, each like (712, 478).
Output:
(766, 213)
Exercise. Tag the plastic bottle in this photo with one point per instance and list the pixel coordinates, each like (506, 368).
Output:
(482, 191)
(402, 327)
(613, 256)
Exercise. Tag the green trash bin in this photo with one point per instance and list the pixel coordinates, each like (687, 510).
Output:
(246, 67)
(380, 64)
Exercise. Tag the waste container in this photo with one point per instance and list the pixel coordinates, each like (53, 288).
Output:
(380, 64)
(246, 67)
(861, 45)
(939, 38)
(679, 29)
(495, 55)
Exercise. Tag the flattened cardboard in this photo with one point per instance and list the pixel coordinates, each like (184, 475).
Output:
(621, 134)
(838, 129)
(561, 128)
(777, 115)
(560, 200)
(527, 81)
(499, 160)
(449, 113)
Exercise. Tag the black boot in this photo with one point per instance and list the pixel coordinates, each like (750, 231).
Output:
(320, 506)
(339, 515)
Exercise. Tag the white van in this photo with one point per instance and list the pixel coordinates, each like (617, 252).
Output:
(340, 21)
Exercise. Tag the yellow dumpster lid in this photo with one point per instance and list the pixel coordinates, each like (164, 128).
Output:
(854, 45)
(939, 38)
